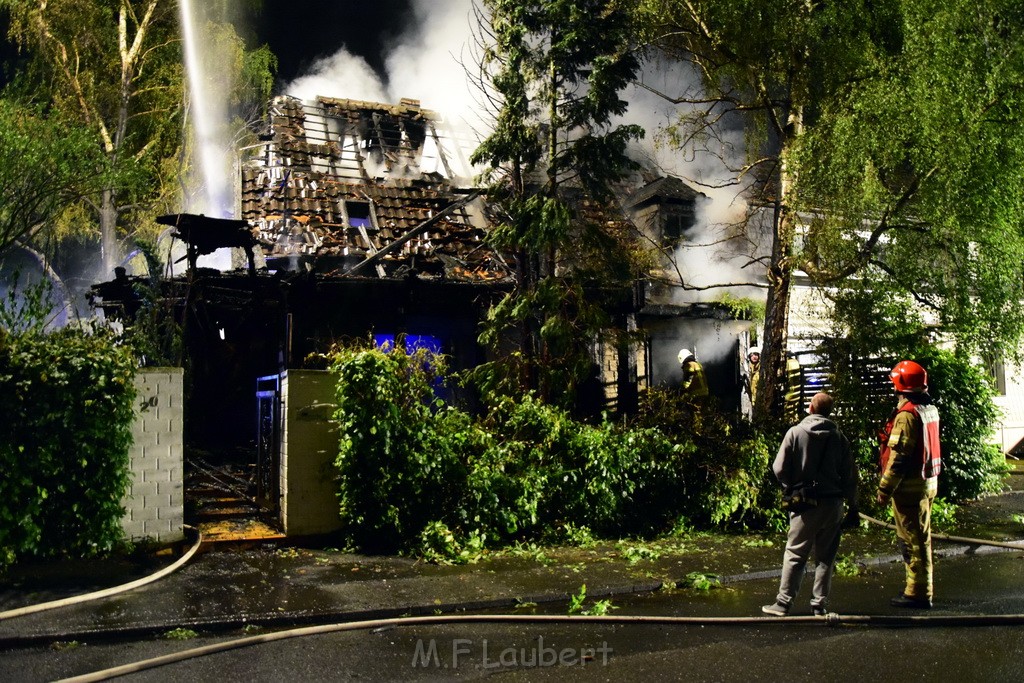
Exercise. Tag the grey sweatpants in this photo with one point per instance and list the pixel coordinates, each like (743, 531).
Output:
(817, 530)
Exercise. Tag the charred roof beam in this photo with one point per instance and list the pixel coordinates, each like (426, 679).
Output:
(415, 232)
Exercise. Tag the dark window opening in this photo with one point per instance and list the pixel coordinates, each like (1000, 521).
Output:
(358, 214)
(997, 370)
(676, 223)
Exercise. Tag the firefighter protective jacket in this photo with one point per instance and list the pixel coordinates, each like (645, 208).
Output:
(910, 456)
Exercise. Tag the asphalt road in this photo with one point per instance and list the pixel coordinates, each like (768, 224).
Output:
(984, 584)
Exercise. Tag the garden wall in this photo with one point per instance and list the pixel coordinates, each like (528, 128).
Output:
(155, 509)
(308, 448)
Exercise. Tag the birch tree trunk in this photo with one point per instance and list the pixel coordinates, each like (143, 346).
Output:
(775, 340)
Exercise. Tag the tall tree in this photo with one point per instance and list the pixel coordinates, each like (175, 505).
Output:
(863, 120)
(115, 66)
(555, 69)
(913, 178)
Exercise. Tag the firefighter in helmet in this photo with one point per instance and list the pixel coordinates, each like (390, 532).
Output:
(911, 461)
(754, 372)
(695, 384)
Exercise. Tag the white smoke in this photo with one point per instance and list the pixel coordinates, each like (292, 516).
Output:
(720, 249)
(427, 63)
(343, 74)
(430, 62)
(434, 62)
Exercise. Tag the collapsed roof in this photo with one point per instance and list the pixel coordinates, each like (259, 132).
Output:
(346, 187)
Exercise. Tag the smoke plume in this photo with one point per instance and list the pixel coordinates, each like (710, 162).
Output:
(434, 62)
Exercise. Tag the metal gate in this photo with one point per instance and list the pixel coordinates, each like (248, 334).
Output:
(268, 443)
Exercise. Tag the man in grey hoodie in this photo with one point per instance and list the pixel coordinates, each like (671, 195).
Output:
(814, 463)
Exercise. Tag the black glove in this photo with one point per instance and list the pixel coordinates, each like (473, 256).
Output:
(852, 519)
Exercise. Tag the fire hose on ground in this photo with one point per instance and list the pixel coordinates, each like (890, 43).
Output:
(114, 590)
(831, 619)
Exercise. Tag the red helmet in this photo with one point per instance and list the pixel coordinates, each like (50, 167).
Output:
(909, 376)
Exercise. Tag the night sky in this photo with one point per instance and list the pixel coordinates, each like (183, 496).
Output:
(300, 31)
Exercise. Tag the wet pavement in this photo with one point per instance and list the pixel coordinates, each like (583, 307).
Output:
(227, 595)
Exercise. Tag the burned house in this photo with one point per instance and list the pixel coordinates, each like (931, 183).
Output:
(368, 241)
(344, 235)
(354, 222)
(665, 210)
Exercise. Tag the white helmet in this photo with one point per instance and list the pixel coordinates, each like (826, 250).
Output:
(752, 350)
(685, 355)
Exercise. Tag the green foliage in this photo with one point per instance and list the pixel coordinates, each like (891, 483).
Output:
(570, 534)
(598, 608)
(633, 554)
(972, 464)
(420, 476)
(555, 69)
(396, 471)
(846, 565)
(943, 514)
(577, 599)
(743, 308)
(548, 469)
(889, 130)
(439, 544)
(67, 398)
(154, 334)
(26, 309)
(115, 69)
(700, 581)
(558, 67)
(566, 323)
(180, 634)
(916, 178)
(49, 163)
(721, 466)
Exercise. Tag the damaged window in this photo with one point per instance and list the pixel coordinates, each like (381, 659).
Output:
(676, 223)
(359, 215)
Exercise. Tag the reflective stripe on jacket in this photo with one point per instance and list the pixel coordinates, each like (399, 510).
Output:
(910, 448)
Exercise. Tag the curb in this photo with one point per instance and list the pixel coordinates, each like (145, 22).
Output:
(295, 619)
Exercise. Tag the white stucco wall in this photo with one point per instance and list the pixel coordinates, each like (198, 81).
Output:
(309, 446)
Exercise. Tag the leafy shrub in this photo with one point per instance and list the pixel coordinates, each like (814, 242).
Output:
(419, 475)
(67, 400)
(439, 544)
(721, 465)
(943, 514)
(972, 464)
(879, 323)
(395, 470)
(547, 471)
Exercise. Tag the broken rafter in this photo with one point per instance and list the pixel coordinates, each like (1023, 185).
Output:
(418, 230)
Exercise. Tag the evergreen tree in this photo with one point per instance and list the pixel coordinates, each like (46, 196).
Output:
(556, 69)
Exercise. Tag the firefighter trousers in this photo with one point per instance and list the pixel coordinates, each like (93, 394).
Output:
(912, 512)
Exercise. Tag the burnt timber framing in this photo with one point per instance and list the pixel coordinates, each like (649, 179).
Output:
(354, 222)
